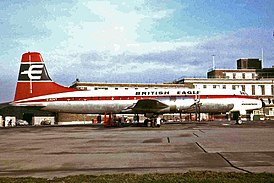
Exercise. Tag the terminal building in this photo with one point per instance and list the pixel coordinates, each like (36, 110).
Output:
(249, 77)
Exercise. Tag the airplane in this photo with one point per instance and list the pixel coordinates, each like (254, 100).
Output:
(35, 88)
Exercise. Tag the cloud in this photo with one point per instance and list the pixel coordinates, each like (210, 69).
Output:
(119, 28)
(244, 43)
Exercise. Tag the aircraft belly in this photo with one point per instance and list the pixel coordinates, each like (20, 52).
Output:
(210, 107)
(88, 107)
(215, 108)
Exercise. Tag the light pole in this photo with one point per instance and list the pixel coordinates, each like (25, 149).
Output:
(213, 62)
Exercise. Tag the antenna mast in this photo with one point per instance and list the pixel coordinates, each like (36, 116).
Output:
(213, 62)
(262, 57)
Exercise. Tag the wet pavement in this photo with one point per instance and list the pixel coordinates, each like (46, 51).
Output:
(174, 147)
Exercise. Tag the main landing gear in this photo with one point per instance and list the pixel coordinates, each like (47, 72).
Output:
(153, 120)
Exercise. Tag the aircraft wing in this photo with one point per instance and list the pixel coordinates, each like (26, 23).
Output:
(146, 106)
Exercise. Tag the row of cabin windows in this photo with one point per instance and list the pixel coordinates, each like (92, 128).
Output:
(118, 88)
(100, 98)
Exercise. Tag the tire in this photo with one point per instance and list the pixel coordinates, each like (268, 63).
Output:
(146, 122)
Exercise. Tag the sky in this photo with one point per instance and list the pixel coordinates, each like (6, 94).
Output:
(140, 41)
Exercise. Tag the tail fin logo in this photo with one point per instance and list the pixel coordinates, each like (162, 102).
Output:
(34, 72)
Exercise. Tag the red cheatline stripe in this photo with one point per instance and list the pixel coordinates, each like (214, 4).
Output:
(117, 98)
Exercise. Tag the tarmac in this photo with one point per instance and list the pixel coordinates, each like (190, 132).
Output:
(175, 147)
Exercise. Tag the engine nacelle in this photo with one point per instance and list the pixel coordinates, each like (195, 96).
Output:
(178, 104)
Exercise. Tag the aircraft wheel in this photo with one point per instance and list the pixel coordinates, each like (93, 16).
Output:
(146, 122)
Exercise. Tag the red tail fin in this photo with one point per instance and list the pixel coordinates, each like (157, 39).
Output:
(34, 80)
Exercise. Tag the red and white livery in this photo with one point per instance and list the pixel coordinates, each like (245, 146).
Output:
(36, 89)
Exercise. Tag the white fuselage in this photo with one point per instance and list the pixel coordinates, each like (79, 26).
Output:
(119, 100)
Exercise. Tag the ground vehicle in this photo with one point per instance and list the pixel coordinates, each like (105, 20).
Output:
(45, 122)
(21, 122)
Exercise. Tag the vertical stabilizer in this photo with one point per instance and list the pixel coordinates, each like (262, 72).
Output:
(34, 80)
